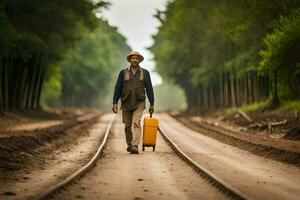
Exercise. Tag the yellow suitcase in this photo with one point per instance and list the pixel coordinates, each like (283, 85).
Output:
(150, 132)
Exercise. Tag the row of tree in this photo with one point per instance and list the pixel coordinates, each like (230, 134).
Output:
(42, 41)
(89, 69)
(228, 53)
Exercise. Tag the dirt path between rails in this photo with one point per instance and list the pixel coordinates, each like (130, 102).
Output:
(149, 175)
(60, 163)
(258, 177)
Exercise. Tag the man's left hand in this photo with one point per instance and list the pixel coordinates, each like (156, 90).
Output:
(151, 109)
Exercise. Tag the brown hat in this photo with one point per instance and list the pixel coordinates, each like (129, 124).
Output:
(135, 53)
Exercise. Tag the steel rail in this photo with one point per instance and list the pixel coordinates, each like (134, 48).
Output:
(215, 181)
(47, 193)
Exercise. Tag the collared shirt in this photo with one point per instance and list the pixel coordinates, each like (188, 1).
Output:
(131, 71)
(120, 85)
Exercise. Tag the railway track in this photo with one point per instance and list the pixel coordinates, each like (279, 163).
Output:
(257, 145)
(47, 193)
(223, 187)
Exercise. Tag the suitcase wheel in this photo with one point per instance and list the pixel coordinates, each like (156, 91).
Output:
(154, 148)
(143, 147)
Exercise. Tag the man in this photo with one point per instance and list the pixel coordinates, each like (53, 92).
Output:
(130, 87)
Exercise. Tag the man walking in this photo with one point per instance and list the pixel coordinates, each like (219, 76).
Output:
(130, 87)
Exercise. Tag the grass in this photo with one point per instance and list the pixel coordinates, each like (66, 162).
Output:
(285, 107)
(289, 106)
(254, 106)
(247, 108)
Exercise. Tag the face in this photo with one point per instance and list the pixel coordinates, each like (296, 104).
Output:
(134, 60)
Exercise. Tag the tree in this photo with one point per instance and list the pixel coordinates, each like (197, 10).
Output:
(34, 36)
(280, 57)
(213, 51)
(88, 69)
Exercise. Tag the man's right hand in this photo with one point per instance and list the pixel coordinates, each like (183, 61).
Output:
(115, 108)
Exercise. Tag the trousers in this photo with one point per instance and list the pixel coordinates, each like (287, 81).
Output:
(132, 121)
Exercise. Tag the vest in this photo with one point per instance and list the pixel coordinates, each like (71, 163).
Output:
(134, 89)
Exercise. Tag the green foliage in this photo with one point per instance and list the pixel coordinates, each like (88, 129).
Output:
(37, 22)
(164, 93)
(248, 108)
(201, 43)
(290, 105)
(281, 52)
(25, 46)
(7, 33)
(42, 37)
(88, 69)
(52, 88)
(281, 44)
(254, 106)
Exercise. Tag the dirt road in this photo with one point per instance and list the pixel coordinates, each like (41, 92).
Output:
(156, 175)
(60, 163)
(258, 177)
(149, 175)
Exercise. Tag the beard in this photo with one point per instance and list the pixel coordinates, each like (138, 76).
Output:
(134, 64)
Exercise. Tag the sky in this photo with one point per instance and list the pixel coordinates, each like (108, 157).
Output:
(134, 20)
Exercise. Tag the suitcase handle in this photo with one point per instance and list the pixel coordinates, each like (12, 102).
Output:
(150, 115)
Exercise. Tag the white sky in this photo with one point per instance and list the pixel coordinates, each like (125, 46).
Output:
(134, 19)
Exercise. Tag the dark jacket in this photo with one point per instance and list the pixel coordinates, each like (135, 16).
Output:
(120, 85)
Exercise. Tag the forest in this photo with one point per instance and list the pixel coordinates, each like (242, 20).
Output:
(56, 52)
(222, 53)
(227, 53)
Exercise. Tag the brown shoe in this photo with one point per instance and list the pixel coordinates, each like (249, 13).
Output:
(129, 148)
(134, 149)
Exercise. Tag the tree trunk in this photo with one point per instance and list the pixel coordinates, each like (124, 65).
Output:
(36, 77)
(1, 88)
(39, 90)
(232, 92)
(226, 91)
(275, 99)
(5, 86)
(30, 81)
